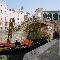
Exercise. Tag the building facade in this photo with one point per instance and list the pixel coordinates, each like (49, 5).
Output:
(52, 15)
(6, 14)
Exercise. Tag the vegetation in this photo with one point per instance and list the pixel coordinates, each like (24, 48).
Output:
(34, 31)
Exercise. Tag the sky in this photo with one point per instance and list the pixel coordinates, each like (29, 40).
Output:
(31, 5)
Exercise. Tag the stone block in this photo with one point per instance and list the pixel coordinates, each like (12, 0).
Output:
(48, 51)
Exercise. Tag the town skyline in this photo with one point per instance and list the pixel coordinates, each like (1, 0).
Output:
(30, 6)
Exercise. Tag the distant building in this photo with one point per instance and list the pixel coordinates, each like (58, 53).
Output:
(52, 15)
(6, 14)
(27, 16)
(38, 13)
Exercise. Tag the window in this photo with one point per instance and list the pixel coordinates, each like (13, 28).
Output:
(5, 23)
(1, 27)
(5, 11)
(9, 9)
(49, 34)
(1, 18)
(18, 22)
(1, 5)
(17, 18)
(1, 11)
(14, 23)
(5, 18)
(5, 7)
(5, 27)
(59, 17)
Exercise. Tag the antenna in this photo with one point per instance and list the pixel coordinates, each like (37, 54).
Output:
(22, 7)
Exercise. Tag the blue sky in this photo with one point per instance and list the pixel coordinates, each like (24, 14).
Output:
(30, 5)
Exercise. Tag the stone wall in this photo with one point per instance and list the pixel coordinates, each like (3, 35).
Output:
(59, 47)
(49, 51)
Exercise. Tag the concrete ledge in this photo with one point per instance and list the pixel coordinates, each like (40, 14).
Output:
(49, 51)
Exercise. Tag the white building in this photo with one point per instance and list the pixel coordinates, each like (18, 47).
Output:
(6, 14)
(38, 13)
(50, 14)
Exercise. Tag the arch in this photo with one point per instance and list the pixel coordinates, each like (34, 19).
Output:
(50, 16)
(44, 15)
(34, 30)
(55, 16)
(37, 25)
(25, 24)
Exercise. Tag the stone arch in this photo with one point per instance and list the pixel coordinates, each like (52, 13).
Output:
(50, 16)
(25, 24)
(44, 15)
(55, 16)
(34, 29)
